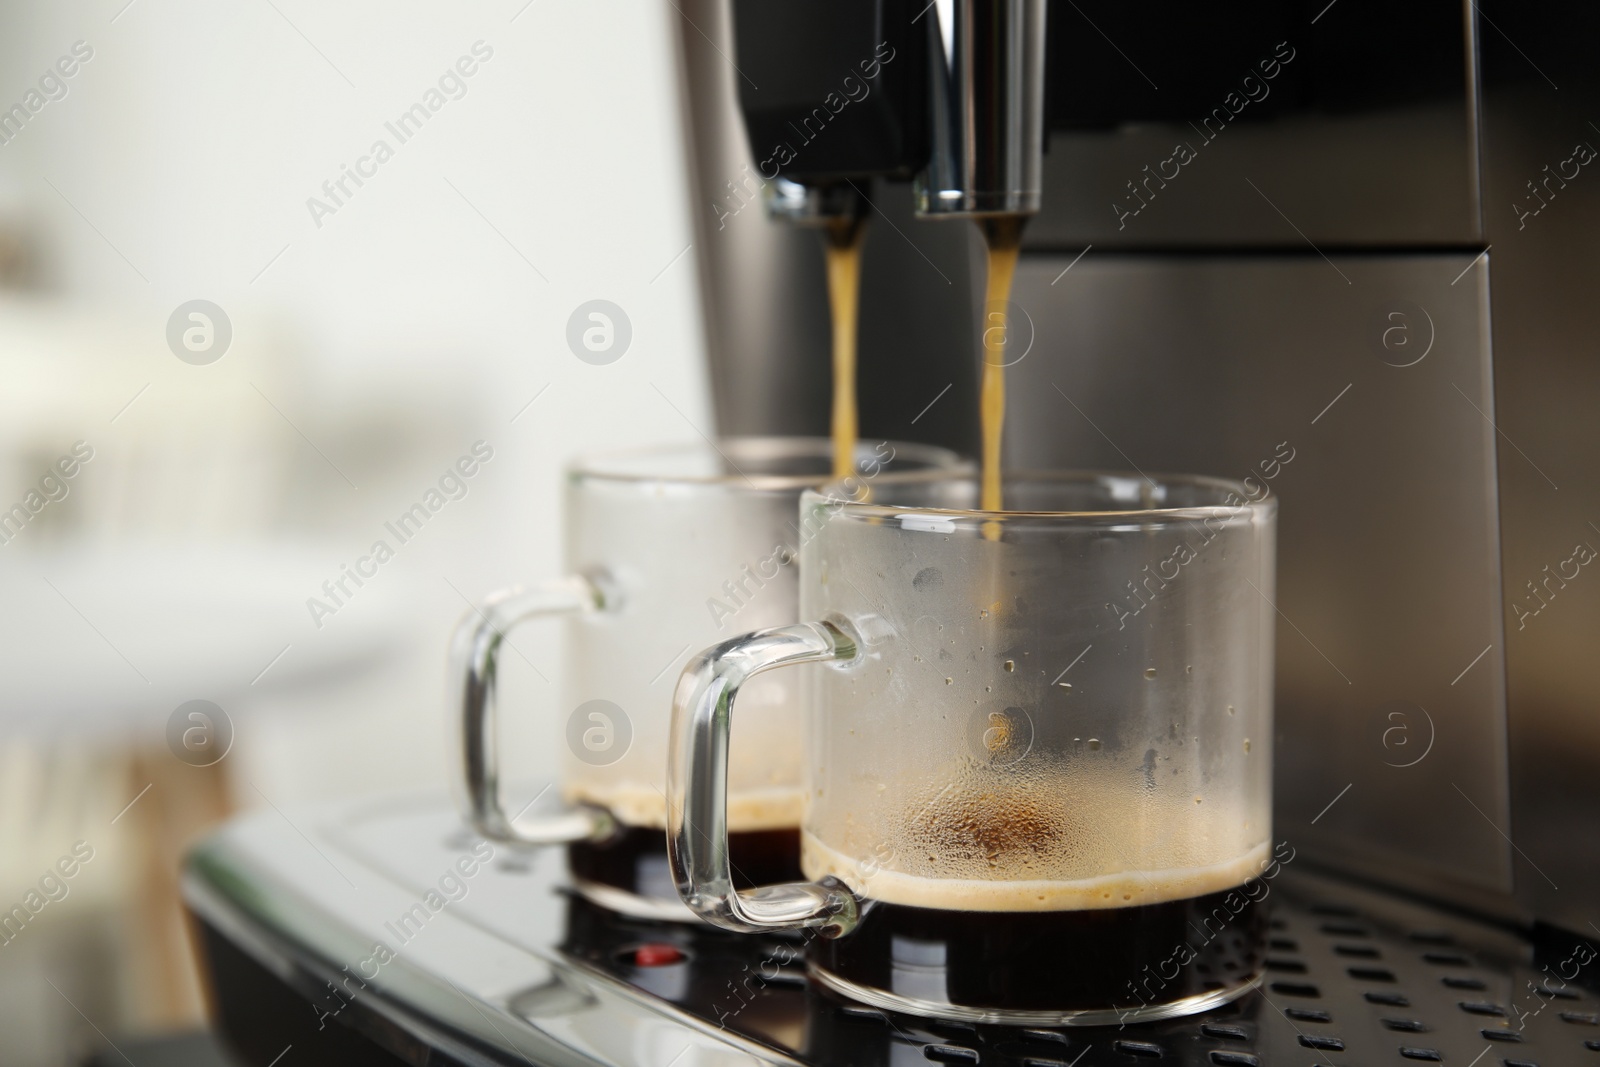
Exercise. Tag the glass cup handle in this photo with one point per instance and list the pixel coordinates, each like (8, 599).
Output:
(697, 784)
(474, 666)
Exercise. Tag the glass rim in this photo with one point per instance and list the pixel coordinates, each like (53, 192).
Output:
(614, 467)
(831, 496)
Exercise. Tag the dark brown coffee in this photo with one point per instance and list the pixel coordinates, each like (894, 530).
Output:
(1118, 959)
(636, 860)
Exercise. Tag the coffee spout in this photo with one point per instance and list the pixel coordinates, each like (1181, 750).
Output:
(815, 204)
(986, 108)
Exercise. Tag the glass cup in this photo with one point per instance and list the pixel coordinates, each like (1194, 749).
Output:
(667, 549)
(1038, 767)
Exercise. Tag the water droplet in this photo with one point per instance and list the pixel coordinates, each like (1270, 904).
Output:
(1065, 685)
(1197, 800)
(1149, 672)
(1230, 709)
(1011, 664)
(1188, 669)
(1094, 744)
(949, 681)
(988, 689)
(1247, 744)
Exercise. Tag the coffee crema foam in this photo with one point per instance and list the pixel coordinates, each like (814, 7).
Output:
(767, 809)
(1049, 837)
(1124, 889)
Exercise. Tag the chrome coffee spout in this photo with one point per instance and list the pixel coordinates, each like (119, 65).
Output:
(807, 204)
(986, 109)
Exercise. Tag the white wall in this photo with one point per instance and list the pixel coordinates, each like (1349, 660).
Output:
(403, 328)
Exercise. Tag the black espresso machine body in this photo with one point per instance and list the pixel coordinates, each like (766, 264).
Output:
(1345, 250)
(1340, 248)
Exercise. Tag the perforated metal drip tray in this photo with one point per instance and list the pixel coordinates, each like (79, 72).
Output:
(519, 970)
(1353, 978)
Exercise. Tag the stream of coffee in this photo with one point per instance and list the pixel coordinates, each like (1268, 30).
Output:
(1002, 234)
(843, 251)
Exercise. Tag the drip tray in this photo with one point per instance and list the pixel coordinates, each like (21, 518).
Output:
(520, 970)
(1352, 978)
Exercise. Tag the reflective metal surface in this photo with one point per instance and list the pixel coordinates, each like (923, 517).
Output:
(1353, 178)
(813, 205)
(471, 971)
(1542, 207)
(1355, 390)
(513, 970)
(766, 342)
(986, 106)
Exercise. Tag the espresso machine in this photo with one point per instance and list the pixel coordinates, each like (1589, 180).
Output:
(1335, 249)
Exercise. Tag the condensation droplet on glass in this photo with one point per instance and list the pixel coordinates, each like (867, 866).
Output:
(1230, 709)
(1149, 672)
(1247, 744)
(1094, 744)
(949, 681)
(1011, 664)
(1188, 669)
(1065, 685)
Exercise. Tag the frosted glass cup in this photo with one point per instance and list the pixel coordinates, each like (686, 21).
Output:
(1038, 755)
(667, 549)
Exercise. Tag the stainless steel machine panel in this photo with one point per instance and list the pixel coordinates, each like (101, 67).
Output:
(1358, 389)
(1352, 211)
(1542, 206)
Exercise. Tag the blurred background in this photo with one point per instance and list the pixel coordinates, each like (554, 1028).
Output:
(359, 339)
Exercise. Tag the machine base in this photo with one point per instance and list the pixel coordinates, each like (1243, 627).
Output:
(387, 934)
(1101, 1017)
